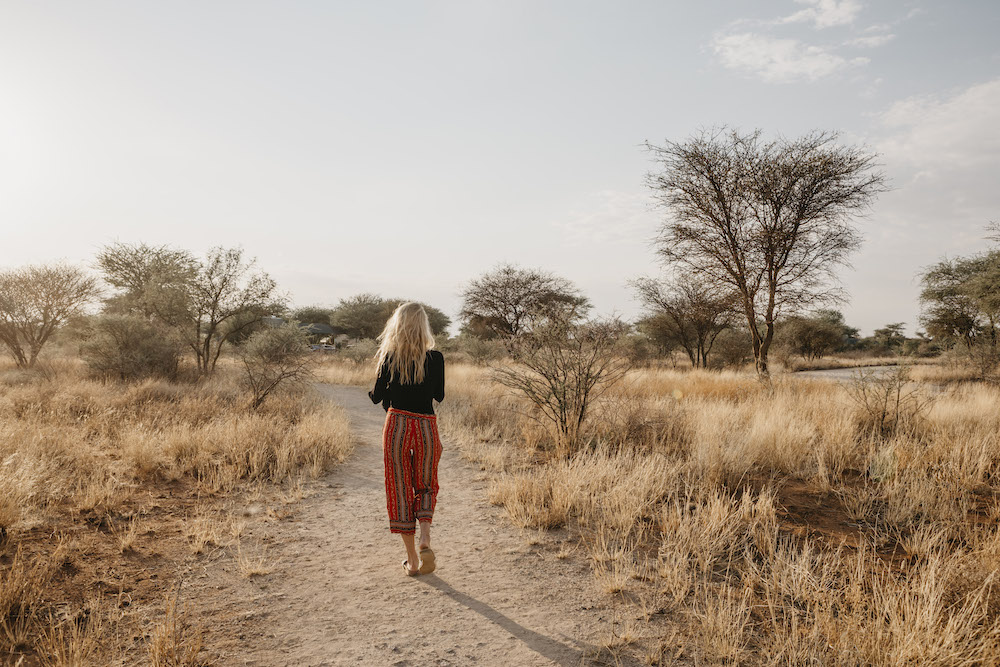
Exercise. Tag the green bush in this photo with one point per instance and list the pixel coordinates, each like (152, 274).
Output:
(732, 349)
(130, 347)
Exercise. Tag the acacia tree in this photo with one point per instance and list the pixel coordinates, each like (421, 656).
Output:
(891, 336)
(659, 330)
(961, 298)
(365, 315)
(815, 336)
(312, 315)
(207, 302)
(769, 220)
(508, 301)
(35, 300)
(360, 316)
(228, 296)
(151, 281)
(690, 312)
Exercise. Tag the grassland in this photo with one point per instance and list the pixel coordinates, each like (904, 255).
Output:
(109, 491)
(751, 524)
(734, 522)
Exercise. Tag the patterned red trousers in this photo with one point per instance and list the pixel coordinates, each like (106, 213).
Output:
(412, 449)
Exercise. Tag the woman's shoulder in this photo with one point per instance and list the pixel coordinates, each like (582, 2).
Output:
(435, 355)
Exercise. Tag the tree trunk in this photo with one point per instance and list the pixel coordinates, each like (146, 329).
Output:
(760, 346)
(765, 345)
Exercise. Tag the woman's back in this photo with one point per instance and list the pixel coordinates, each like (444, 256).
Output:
(416, 397)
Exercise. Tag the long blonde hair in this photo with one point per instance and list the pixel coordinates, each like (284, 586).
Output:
(404, 343)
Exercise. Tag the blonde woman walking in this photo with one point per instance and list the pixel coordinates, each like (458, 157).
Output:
(410, 378)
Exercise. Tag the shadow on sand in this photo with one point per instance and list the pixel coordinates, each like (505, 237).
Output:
(556, 651)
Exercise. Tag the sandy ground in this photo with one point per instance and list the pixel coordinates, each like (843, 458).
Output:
(337, 595)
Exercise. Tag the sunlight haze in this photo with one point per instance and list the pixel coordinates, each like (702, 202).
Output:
(404, 148)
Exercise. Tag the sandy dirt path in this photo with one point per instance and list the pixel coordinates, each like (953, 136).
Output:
(338, 596)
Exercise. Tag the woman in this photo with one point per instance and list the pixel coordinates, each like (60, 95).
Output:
(410, 375)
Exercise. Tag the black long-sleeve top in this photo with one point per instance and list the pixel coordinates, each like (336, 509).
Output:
(412, 397)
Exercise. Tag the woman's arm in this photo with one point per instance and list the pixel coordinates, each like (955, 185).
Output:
(439, 385)
(380, 394)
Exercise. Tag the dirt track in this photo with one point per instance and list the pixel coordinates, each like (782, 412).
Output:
(337, 594)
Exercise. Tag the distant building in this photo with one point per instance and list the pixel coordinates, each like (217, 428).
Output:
(318, 332)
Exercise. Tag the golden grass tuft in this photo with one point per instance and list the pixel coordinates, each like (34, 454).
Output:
(174, 641)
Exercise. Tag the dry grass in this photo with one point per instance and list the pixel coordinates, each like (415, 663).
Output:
(945, 373)
(79, 639)
(82, 443)
(119, 467)
(795, 364)
(22, 587)
(765, 524)
(175, 643)
(253, 565)
(335, 369)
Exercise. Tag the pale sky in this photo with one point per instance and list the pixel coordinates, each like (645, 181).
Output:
(405, 147)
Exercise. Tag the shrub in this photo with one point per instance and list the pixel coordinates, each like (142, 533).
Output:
(274, 358)
(361, 352)
(732, 349)
(475, 349)
(888, 401)
(130, 347)
(561, 368)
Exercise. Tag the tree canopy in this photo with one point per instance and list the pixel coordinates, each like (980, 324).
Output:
(35, 300)
(960, 298)
(816, 335)
(768, 219)
(685, 312)
(365, 315)
(219, 299)
(509, 301)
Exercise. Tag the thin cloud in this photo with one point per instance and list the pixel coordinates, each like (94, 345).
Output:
(946, 154)
(779, 60)
(754, 46)
(825, 13)
(611, 216)
(959, 131)
(871, 41)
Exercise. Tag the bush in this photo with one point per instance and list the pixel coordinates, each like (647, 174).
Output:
(361, 352)
(474, 349)
(130, 347)
(889, 402)
(562, 368)
(639, 350)
(732, 349)
(275, 358)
